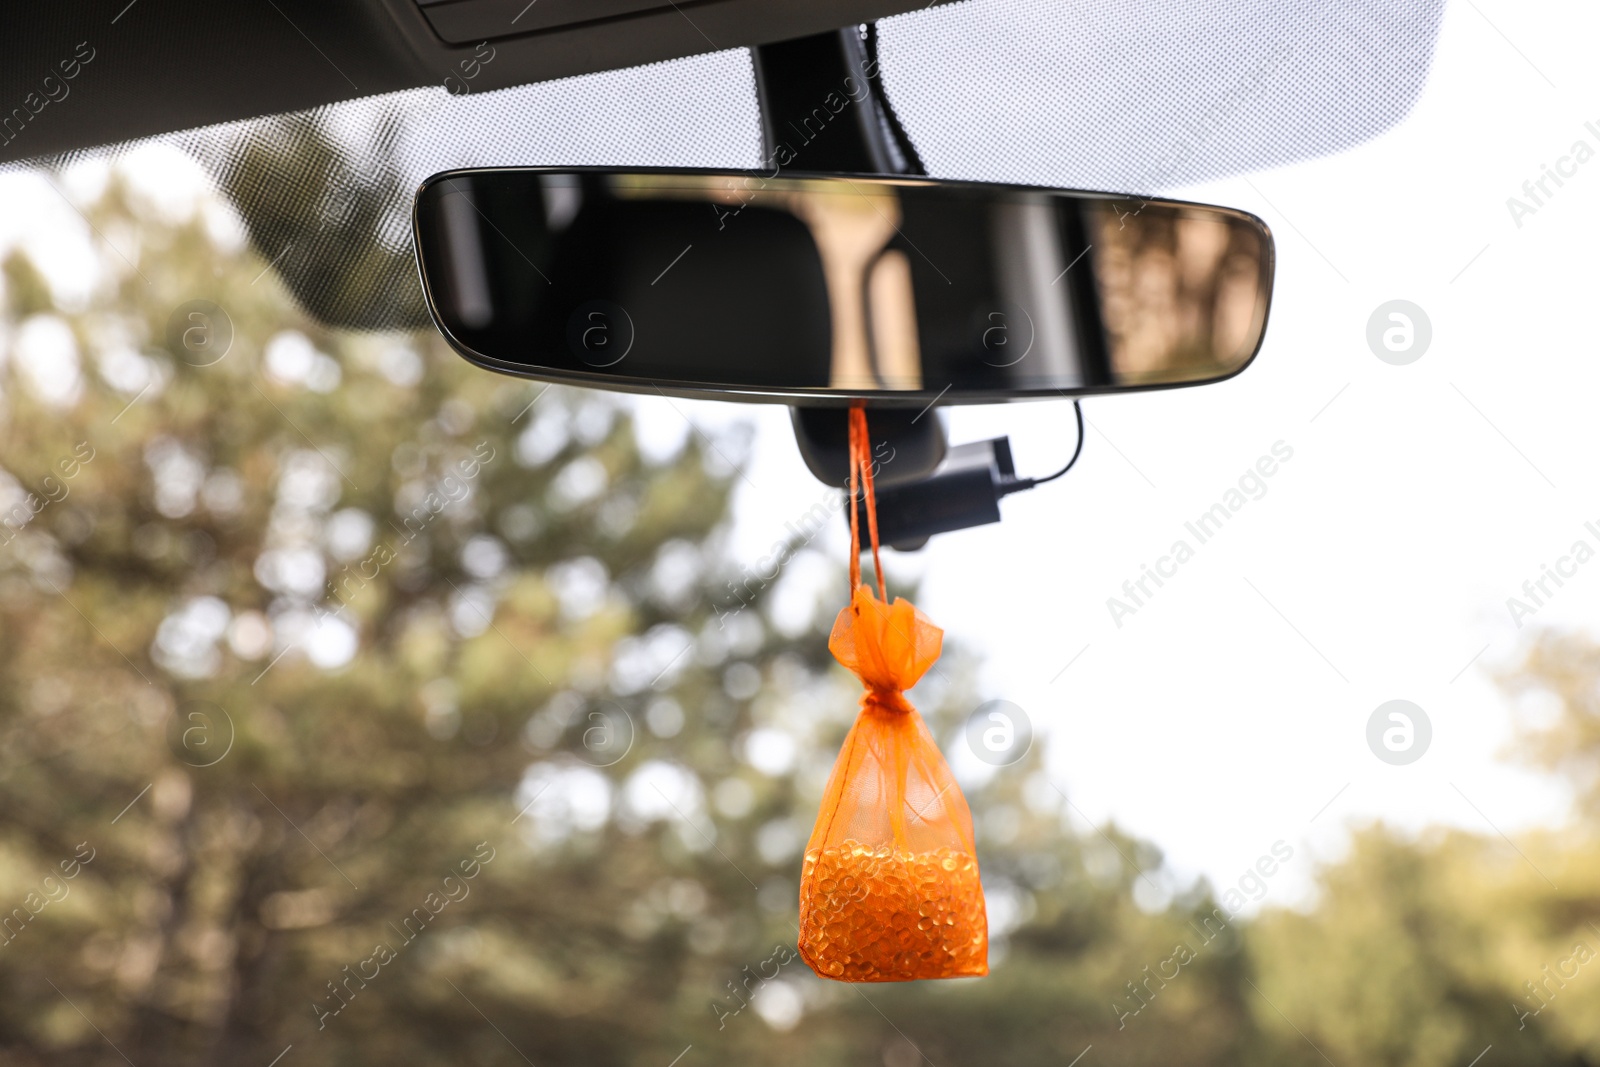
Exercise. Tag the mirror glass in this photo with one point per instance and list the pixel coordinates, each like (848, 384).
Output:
(782, 288)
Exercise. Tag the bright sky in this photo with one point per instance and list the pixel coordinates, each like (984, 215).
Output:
(1232, 708)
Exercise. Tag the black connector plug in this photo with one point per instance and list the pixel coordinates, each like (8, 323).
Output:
(963, 490)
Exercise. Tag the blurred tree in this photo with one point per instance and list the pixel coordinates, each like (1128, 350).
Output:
(402, 713)
(1558, 684)
(340, 239)
(1428, 950)
(355, 700)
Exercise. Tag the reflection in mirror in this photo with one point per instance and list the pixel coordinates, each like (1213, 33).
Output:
(794, 287)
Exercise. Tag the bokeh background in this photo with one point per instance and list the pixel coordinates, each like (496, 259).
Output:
(299, 620)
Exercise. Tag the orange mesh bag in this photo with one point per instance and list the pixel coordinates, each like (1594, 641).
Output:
(889, 891)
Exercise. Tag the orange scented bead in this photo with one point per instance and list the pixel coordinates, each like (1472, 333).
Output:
(881, 915)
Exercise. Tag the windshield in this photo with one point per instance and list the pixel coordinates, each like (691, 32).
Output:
(363, 707)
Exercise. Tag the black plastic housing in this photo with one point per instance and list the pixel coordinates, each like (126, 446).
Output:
(963, 491)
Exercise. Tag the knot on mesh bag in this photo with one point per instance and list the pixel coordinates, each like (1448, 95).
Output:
(889, 890)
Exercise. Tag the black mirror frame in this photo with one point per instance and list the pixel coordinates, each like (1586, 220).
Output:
(819, 397)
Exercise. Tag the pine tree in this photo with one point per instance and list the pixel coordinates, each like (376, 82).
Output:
(401, 713)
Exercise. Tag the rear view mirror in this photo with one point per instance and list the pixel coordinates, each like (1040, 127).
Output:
(749, 286)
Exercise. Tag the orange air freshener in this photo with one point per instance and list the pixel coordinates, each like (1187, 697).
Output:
(889, 891)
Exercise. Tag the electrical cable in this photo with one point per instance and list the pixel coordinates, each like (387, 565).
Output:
(1028, 483)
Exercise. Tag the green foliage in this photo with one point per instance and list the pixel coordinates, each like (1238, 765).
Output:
(336, 643)
(26, 290)
(337, 243)
(1563, 670)
(537, 607)
(1425, 952)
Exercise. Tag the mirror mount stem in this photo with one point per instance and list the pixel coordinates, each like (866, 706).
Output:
(824, 110)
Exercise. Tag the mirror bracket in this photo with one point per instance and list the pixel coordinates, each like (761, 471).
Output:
(963, 489)
(925, 486)
(795, 80)
(798, 82)
(906, 445)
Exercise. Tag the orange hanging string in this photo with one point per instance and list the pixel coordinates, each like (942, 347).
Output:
(861, 464)
(855, 530)
(889, 883)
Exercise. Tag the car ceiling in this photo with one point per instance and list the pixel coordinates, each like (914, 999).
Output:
(155, 66)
